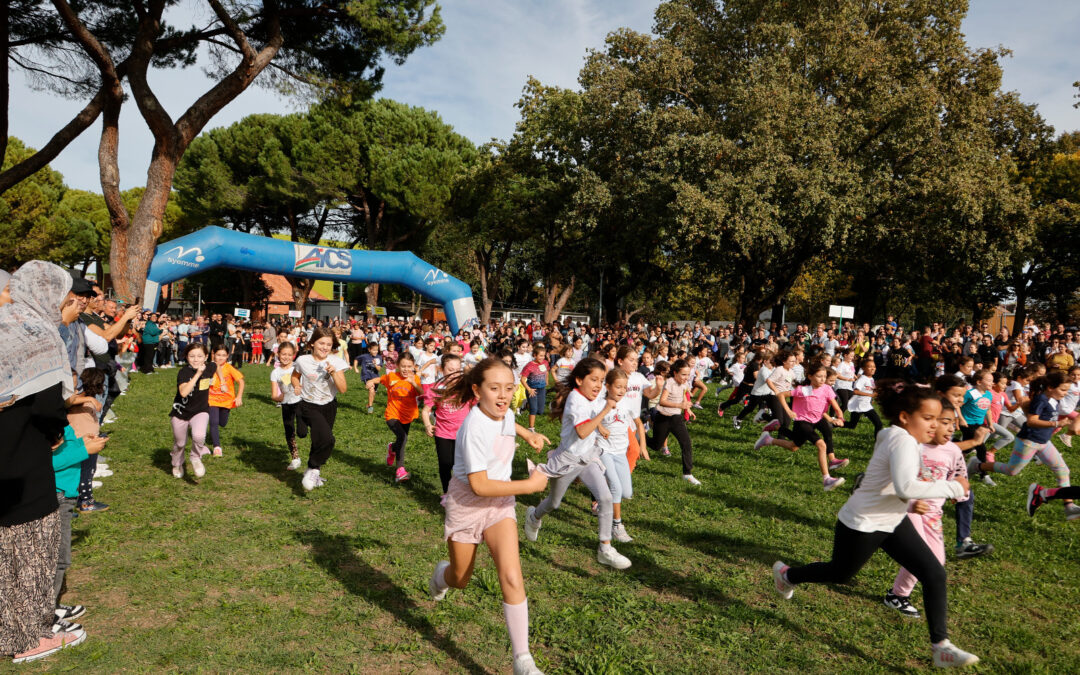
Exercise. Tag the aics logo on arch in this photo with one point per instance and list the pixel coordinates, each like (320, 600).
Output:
(322, 260)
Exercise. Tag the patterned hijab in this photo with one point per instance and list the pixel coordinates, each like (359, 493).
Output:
(32, 354)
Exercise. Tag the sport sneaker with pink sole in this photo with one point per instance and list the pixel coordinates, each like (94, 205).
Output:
(830, 483)
(837, 464)
(401, 475)
(772, 426)
(784, 587)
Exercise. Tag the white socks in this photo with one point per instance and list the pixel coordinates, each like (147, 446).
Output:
(517, 624)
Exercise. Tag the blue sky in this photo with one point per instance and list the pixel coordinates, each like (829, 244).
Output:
(475, 74)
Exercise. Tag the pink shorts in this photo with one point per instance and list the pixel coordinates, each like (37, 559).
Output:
(467, 515)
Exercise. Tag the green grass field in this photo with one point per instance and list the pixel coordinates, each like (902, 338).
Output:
(243, 572)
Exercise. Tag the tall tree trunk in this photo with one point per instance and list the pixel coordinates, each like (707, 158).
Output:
(372, 295)
(131, 262)
(301, 290)
(555, 299)
(1020, 288)
(5, 90)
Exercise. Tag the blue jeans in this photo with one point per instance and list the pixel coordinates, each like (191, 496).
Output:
(537, 401)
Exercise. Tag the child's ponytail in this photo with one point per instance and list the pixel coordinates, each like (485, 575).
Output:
(1040, 385)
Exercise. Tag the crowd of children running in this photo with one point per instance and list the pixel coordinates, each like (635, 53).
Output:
(957, 402)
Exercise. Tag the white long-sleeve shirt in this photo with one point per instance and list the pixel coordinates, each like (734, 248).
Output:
(891, 480)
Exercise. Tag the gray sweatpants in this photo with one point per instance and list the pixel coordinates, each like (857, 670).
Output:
(63, 560)
(592, 475)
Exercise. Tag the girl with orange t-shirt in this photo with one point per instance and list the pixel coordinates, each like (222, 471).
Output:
(402, 387)
(226, 393)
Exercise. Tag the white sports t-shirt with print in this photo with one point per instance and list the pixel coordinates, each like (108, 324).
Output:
(617, 422)
(703, 365)
(316, 385)
(283, 378)
(845, 370)
(861, 404)
(1068, 403)
(428, 374)
(562, 369)
(738, 372)
(577, 411)
(484, 444)
(520, 361)
(636, 383)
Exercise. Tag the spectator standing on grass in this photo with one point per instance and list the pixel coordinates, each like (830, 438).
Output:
(35, 378)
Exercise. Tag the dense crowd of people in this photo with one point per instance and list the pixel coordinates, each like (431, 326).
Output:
(955, 398)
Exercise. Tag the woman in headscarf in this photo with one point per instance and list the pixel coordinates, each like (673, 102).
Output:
(35, 378)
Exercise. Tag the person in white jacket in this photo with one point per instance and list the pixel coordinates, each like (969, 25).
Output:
(875, 515)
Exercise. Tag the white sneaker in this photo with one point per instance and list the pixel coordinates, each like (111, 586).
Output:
(102, 465)
(102, 473)
(764, 439)
(689, 478)
(760, 415)
(948, 655)
(197, 465)
(1072, 512)
(988, 481)
(178, 472)
(784, 587)
(1066, 439)
(532, 525)
(830, 483)
(618, 533)
(310, 480)
(612, 558)
(294, 465)
(96, 484)
(524, 665)
(433, 586)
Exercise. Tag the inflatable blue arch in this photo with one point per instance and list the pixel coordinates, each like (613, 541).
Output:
(213, 247)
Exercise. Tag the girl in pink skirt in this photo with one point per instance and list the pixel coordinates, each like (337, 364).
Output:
(480, 500)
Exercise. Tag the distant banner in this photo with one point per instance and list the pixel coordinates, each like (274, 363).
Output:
(295, 314)
(377, 311)
(241, 313)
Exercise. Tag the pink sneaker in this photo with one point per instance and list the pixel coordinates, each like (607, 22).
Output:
(51, 645)
(217, 451)
(784, 587)
(401, 475)
(772, 426)
(390, 454)
(763, 440)
(837, 464)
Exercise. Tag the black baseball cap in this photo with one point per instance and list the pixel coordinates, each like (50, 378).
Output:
(80, 286)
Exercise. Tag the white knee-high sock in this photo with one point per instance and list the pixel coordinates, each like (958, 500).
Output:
(517, 624)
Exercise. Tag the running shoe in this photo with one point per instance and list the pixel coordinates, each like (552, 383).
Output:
(1072, 512)
(438, 594)
(666, 452)
(973, 467)
(830, 483)
(310, 479)
(988, 481)
(93, 506)
(764, 439)
(948, 655)
(525, 665)
(970, 549)
(772, 426)
(1034, 499)
(197, 466)
(532, 525)
(69, 612)
(736, 424)
(784, 587)
(401, 475)
(719, 412)
(370, 410)
(217, 451)
(901, 604)
(837, 464)
(178, 472)
(696, 405)
(689, 478)
(607, 555)
(294, 465)
(760, 415)
(389, 454)
(618, 533)
(1066, 439)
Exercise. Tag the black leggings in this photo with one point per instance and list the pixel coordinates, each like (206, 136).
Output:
(754, 403)
(401, 436)
(320, 420)
(967, 433)
(444, 450)
(145, 358)
(1066, 493)
(737, 395)
(871, 415)
(293, 421)
(843, 396)
(675, 425)
(779, 413)
(852, 549)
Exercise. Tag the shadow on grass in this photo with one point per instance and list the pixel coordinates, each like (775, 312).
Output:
(426, 493)
(734, 549)
(337, 555)
(661, 579)
(162, 459)
(271, 460)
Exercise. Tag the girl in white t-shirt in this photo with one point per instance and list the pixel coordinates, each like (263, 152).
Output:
(582, 410)
(319, 377)
(281, 391)
(845, 377)
(480, 499)
(863, 393)
(875, 516)
(613, 449)
(564, 365)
